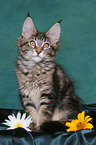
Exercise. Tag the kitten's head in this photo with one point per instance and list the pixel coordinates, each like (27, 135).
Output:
(38, 46)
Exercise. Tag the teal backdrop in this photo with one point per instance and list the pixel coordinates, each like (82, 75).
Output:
(77, 54)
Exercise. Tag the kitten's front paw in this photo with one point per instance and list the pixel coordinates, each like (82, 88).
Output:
(41, 118)
(38, 129)
(32, 126)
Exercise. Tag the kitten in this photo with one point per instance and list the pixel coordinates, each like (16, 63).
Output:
(46, 91)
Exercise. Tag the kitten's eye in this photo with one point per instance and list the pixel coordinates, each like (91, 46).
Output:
(32, 43)
(46, 45)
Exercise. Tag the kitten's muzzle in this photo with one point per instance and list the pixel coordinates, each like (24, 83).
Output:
(38, 50)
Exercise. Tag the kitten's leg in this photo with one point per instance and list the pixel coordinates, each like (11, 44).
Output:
(68, 109)
(46, 109)
(30, 109)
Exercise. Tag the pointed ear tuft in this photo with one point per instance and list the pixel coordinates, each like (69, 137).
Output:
(28, 14)
(60, 21)
(54, 33)
(28, 28)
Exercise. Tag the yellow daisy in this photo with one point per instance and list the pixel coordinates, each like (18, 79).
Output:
(81, 123)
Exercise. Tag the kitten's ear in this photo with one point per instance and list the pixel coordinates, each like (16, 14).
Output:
(54, 33)
(28, 28)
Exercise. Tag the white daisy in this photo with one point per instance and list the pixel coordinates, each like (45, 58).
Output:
(15, 122)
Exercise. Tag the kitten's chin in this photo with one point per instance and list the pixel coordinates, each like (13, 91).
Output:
(37, 59)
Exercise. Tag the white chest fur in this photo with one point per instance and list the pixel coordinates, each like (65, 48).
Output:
(34, 95)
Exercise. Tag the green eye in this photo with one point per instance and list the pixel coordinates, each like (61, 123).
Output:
(46, 45)
(32, 43)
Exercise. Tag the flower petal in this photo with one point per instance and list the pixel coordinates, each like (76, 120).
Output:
(8, 123)
(23, 117)
(18, 116)
(80, 123)
(88, 126)
(29, 117)
(11, 118)
(68, 130)
(81, 116)
(87, 119)
(72, 123)
(27, 129)
(68, 124)
(15, 122)
(27, 123)
(10, 128)
(71, 129)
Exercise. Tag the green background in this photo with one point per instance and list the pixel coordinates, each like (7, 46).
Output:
(78, 38)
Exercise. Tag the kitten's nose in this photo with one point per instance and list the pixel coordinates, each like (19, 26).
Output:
(38, 50)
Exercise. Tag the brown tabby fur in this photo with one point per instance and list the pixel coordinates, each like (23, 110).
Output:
(46, 92)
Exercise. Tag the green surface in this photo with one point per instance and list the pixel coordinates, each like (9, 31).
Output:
(78, 38)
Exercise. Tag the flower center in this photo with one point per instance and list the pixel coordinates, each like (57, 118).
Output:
(80, 125)
(18, 125)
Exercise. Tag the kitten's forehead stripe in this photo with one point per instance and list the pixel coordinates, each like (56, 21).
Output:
(40, 36)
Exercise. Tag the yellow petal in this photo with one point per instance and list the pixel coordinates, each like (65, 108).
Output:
(88, 126)
(87, 119)
(80, 123)
(71, 129)
(72, 123)
(68, 130)
(68, 124)
(81, 116)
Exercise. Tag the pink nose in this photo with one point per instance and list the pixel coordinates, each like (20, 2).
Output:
(38, 51)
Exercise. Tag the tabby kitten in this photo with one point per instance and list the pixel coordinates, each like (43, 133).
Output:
(46, 91)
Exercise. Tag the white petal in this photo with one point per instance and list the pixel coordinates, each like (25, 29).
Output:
(13, 121)
(23, 117)
(27, 122)
(6, 120)
(28, 118)
(27, 129)
(10, 128)
(5, 124)
(12, 118)
(18, 116)
(8, 123)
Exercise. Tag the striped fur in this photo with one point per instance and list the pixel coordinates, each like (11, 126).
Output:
(46, 92)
